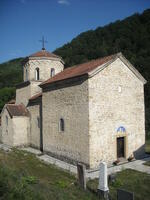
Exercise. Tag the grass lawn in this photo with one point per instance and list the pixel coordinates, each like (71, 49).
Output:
(147, 147)
(147, 163)
(24, 177)
(147, 150)
(130, 180)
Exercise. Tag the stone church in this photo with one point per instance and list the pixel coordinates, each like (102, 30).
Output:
(87, 113)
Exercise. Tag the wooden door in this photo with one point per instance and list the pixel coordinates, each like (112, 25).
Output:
(120, 147)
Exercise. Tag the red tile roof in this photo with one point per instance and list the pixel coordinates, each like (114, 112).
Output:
(35, 96)
(44, 53)
(78, 70)
(17, 110)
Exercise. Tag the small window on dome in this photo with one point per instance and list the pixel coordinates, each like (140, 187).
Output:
(26, 74)
(52, 72)
(37, 74)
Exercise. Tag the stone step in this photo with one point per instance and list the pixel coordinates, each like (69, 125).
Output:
(59, 163)
(37, 152)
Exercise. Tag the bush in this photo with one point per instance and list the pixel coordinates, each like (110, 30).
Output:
(16, 187)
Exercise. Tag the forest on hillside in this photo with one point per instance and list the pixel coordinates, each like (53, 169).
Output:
(130, 36)
(10, 75)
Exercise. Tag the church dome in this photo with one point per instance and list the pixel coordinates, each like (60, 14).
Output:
(44, 53)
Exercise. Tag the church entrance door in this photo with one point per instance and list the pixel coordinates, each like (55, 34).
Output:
(120, 147)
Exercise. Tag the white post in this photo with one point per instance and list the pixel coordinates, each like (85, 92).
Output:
(103, 181)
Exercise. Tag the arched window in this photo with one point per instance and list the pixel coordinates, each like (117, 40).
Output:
(6, 120)
(61, 125)
(52, 72)
(38, 121)
(37, 74)
(26, 74)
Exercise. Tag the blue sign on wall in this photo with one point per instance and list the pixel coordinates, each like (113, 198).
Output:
(121, 129)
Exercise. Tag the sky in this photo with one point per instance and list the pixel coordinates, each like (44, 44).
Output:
(24, 22)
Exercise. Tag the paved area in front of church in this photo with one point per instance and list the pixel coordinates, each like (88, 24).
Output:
(5, 147)
(59, 163)
(135, 165)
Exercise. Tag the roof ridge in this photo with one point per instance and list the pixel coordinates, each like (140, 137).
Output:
(78, 70)
(113, 55)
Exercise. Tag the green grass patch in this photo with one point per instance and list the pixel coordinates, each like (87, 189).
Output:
(147, 146)
(24, 177)
(129, 180)
(147, 163)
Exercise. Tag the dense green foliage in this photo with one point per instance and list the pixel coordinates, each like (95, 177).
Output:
(130, 36)
(15, 186)
(6, 94)
(10, 75)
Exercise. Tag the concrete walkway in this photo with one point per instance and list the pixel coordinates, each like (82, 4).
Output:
(5, 147)
(135, 165)
(59, 163)
(32, 150)
(91, 174)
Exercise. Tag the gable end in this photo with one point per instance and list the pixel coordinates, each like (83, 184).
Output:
(125, 61)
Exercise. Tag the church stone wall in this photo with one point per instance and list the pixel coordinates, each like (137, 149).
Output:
(34, 128)
(23, 94)
(71, 104)
(44, 66)
(7, 129)
(21, 129)
(34, 88)
(116, 98)
(16, 132)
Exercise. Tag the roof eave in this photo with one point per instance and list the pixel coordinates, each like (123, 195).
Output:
(46, 58)
(46, 85)
(23, 84)
(11, 116)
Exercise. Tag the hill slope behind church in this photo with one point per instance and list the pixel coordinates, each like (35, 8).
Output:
(130, 36)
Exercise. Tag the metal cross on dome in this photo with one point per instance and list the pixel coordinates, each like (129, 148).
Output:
(43, 41)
